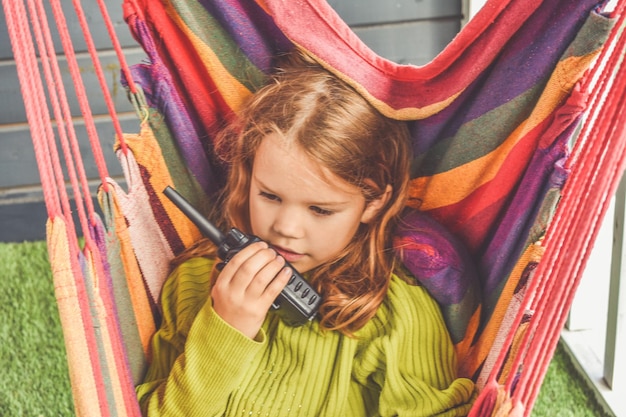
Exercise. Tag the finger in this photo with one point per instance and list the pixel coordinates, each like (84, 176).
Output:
(265, 275)
(250, 268)
(276, 285)
(234, 263)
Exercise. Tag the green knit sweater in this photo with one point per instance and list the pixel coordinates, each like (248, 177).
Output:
(401, 363)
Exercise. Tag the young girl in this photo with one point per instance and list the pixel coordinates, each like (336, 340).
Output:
(322, 176)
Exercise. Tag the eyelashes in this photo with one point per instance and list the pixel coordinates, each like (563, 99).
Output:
(319, 211)
(270, 197)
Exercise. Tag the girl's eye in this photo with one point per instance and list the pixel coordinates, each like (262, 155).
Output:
(269, 196)
(320, 211)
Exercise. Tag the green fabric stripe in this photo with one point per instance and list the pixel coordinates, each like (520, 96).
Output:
(108, 382)
(213, 35)
(184, 181)
(476, 138)
(137, 360)
(591, 36)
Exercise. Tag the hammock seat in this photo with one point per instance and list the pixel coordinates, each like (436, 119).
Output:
(492, 118)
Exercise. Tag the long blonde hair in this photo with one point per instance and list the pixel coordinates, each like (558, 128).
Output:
(337, 127)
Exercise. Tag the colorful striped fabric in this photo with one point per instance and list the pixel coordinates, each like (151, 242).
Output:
(490, 116)
(145, 229)
(80, 344)
(98, 367)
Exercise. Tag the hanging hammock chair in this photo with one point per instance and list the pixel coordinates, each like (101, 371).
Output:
(492, 118)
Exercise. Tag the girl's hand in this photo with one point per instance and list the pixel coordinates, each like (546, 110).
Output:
(248, 285)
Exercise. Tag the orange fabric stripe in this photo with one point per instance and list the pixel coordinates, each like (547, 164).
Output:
(230, 89)
(148, 154)
(484, 346)
(463, 348)
(136, 289)
(446, 188)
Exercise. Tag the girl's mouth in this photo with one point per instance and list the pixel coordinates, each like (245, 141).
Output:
(287, 254)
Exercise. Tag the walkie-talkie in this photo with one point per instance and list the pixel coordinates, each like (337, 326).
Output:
(297, 303)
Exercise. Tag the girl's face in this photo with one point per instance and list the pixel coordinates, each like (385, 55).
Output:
(306, 213)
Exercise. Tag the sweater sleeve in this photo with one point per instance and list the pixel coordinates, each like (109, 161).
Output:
(413, 362)
(197, 358)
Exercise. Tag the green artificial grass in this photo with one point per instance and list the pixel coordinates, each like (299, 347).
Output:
(564, 392)
(34, 379)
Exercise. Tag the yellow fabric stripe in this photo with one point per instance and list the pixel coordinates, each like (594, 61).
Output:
(84, 392)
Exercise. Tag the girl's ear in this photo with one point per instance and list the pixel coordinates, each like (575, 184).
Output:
(374, 206)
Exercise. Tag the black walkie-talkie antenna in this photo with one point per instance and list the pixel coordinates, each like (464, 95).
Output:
(206, 228)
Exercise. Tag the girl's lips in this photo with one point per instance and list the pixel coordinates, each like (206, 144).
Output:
(287, 254)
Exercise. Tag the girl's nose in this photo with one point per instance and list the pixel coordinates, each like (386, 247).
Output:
(289, 223)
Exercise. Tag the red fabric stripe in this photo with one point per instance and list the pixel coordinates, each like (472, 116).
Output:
(457, 66)
(165, 223)
(475, 214)
(173, 44)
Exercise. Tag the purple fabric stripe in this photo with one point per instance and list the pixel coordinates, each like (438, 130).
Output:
(252, 30)
(544, 173)
(442, 264)
(526, 62)
(161, 93)
(533, 52)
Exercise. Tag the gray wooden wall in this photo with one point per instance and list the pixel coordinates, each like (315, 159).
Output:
(404, 31)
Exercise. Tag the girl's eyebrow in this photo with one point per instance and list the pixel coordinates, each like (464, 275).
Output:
(329, 204)
(334, 204)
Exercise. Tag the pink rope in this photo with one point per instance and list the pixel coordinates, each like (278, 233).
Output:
(46, 153)
(603, 150)
(551, 291)
(123, 63)
(589, 182)
(58, 100)
(51, 174)
(601, 188)
(117, 47)
(81, 94)
(100, 163)
(596, 76)
(32, 90)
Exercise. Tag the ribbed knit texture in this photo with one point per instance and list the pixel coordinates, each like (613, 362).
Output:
(401, 363)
